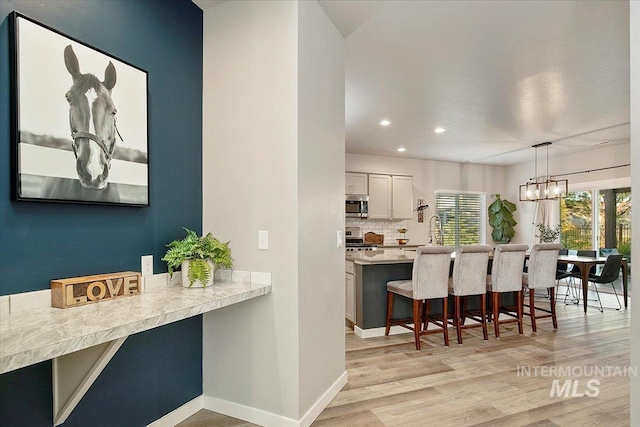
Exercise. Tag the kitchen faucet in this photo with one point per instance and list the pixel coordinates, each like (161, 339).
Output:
(438, 226)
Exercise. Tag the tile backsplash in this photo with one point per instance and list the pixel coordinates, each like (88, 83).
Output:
(380, 226)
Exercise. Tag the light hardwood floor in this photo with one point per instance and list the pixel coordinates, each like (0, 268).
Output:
(477, 383)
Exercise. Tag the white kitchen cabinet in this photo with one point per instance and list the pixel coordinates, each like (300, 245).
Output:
(350, 292)
(355, 183)
(390, 197)
(379, 196)
(402, 205)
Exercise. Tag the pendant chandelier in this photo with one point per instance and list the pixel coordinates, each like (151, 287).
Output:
(543, 188)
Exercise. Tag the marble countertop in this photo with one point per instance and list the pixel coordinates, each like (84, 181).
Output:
(35, 336)
(386, 256)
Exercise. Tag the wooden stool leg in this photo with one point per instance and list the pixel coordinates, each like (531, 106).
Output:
(417, 321)
(463, 310)
(389, 312)
(425, 313)
(456, 317)
(520, 309)
(532, 309)
(483, 311)
(495, 300)
(445, 326)
(553, 309)
(489, 306)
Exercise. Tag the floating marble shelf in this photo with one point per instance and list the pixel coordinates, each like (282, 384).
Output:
(31, 337)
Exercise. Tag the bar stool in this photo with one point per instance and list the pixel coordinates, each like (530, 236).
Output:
(430, 280)
(470, 278)
(506, 276)
(542, 275)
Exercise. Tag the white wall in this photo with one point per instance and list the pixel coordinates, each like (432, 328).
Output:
(429, 176)
(266, 118)
(320, 202)
(250, 184)
(635, 207)
(588, 160)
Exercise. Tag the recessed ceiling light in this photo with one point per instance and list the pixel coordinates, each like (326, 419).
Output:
(401, 149)
(439, 130)
(385, 123)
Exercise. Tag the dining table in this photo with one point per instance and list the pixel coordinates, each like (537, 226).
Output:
(584, 263)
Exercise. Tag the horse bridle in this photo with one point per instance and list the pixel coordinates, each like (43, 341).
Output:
(107, 153)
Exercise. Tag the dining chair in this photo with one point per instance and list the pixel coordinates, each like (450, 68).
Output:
(429, 281)
(609, 251)
(563, 273)
(575, 271)
(610, 273)
(469, 278)
(576, 290)
(506, 276)
(542, 275)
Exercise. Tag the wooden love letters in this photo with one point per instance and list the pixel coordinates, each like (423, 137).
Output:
(76, 291)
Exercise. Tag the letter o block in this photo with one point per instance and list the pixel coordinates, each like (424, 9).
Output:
(101, 293)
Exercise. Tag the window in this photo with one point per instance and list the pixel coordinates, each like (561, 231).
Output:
(597, 219)
(576, 212)
(463, 217)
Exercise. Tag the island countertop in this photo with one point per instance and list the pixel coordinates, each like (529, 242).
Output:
(396, 246)
(386, 256)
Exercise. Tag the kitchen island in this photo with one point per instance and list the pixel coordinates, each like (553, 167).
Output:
(372, 271)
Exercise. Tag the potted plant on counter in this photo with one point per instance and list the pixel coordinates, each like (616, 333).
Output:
(197, 257)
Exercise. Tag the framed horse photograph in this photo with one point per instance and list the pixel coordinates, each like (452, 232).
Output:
(79, 121)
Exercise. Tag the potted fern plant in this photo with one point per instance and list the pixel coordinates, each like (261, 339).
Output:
(197, 257)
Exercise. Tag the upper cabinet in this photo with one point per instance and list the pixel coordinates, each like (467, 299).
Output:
(379, 196)
(402, 197)
(390, 197)
(355, 183)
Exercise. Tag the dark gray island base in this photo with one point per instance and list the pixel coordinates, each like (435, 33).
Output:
(373, 269)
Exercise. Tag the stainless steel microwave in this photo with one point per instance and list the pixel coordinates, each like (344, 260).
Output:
(356, 206)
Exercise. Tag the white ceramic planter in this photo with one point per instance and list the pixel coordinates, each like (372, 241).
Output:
(197, 283)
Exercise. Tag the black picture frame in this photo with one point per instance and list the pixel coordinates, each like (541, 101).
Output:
(79, 120)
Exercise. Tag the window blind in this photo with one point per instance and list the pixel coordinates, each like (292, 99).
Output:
(463, 217)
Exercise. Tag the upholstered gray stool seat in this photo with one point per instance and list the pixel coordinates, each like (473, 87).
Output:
(401, 287)
(541, 274)
(469, 278)
(506, 276)
(429, 280)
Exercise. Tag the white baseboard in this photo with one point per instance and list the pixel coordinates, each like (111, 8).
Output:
(269, 419)
(324, 400)
(179, 414)
(247, 413)
(395, 330)
(379, 332)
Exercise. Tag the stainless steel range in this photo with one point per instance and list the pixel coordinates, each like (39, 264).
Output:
(354, 240)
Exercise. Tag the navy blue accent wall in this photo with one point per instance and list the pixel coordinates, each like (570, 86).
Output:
(44, 241)
(147, 361)
(25, 396)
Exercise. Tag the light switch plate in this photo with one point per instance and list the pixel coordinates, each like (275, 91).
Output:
(339, 239)
(263, 239)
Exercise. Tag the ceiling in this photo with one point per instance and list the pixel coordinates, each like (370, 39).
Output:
(499, 76)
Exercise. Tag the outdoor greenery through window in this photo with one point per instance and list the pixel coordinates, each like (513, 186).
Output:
(463, 217)
(575, 217)
(613, 220)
